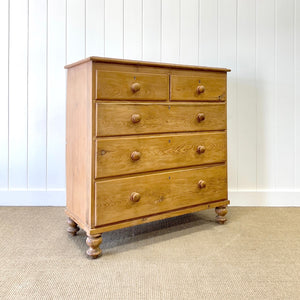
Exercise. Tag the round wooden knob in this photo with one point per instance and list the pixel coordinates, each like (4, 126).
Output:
(135, 118)
(135, 197)
(135, 155)
(201, 184)
(201, 149)
(135, 87)
(200, 89)
(201, 117)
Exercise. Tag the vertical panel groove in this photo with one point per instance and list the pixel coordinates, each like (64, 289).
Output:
(255, 81)
(198, 16)
(46, 116)
(276, 95)
(123, 42)
(161, 28)
(142, 31)
(179, 38)
(294, 94)
(66, 32)
(27, 171)
(8, 98)
(237, 105)
(151, 30)
(200, 33)
(104, 21)
(218, 33)
(84, 28)
(59, 16)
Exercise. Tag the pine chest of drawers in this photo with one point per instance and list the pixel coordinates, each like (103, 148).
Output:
(145, 141)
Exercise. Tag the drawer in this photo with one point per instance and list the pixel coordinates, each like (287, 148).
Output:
(206, 87)
(133, 197)
(119, 156)
(127, 119)
(113, 85)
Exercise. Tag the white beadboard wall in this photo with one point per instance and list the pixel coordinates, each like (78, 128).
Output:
(259, 40)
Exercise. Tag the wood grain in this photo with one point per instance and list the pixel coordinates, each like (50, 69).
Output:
(159, 192)
(115, 118)
(93, 242)
(72, 227)
(132, 162)
(113, 85)
(155, 217)
(108, 60)
(221, 212)
(78, 143)
(186, 87)
(150, 218)
(118, 156)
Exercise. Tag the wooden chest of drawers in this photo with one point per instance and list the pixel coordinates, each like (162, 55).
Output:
(145, 141)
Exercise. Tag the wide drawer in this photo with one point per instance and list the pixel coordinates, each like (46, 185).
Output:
(133, 197)
(119, 156)
(113, 85)
(137, 118)
(205, 87)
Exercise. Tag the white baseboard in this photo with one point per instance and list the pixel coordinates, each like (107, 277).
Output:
(237, 198)
(264, 198)
(33, 198)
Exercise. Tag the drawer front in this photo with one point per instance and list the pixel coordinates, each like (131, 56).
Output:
(128, 198)
(113, 85)
(125, 119)
(208, 87)
(119, 156)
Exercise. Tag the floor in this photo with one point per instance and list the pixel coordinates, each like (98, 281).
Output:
(255, 255)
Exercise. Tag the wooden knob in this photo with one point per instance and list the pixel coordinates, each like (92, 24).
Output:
(135, 197)
(201, 117)
(135, 118)
(135, 87)
(201, 149)
(201, 184)
(200, 89)
(135, 155)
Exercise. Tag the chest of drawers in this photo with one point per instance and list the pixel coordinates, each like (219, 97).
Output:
(144, 141)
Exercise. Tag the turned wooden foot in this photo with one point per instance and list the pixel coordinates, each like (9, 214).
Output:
(73, 227)
(221, 211)
(93, 241)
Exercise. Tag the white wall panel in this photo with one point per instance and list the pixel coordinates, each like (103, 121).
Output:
(76, 38)
(227, 57)
(189, 32)
(95, 27)
(114, 25)
(133, 10)
(246, 95)
(56, 94)
(170, 31)
(37, 71)
(18, 58)
(265, 94)
(4, 35)
(285, 104)
(208, 44)
(151, 30)
(297, 93)
(258, 40)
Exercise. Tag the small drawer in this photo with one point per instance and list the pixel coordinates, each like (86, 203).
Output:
(120, 156)
(206, 87)
(113, 85)
(135, 118)
(134, 197)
